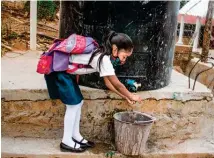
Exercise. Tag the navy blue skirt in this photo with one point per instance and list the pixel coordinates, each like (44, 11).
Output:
(63, 86)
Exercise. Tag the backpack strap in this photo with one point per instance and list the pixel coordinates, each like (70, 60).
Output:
(77, 78)
(55, 43)
(76, 67)
(95, 43)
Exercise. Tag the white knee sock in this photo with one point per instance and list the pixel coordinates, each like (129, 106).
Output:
(76, 130)
(69, 121)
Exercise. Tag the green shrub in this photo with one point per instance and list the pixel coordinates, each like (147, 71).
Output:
(12, 35)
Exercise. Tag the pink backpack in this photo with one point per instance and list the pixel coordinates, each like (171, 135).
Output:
(57, 56)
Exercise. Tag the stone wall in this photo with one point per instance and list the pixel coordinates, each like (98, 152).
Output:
(176, 120)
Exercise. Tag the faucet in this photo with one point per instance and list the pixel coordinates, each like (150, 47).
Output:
(132, 85)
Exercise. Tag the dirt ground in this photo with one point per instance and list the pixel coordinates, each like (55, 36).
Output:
(16, 30)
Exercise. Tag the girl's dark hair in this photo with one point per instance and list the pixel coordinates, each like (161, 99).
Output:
(121, 40)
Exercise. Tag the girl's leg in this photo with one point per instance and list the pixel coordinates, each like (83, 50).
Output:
(76, 130)
(69, 120)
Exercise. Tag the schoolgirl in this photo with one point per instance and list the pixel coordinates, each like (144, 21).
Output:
(116, 48)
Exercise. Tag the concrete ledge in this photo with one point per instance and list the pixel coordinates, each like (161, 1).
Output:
(28, 147)
(206, 78)
(21, 82)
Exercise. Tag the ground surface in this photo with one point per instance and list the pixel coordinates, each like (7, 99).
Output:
(16, 28)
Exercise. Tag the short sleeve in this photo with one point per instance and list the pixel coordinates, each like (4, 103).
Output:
(106, 67)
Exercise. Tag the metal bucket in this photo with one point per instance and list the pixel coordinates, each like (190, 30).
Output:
(132, 131)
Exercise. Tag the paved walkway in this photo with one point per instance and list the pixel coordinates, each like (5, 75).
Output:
(34, 147)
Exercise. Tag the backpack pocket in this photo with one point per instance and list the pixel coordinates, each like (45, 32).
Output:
(44, 64)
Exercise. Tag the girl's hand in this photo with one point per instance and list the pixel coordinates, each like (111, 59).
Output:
(120, 89)
(130, 101)
(136, 98)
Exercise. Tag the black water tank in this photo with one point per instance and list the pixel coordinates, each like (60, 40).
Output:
(151, 25)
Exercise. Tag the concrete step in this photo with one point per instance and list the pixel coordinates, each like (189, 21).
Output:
(34, 148)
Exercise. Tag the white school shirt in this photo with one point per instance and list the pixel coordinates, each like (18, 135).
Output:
(106, 67)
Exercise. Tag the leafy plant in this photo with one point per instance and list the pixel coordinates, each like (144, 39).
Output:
(12, 35)
(110, 154)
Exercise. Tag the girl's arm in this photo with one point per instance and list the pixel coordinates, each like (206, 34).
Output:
(111, 87)
(122, 89)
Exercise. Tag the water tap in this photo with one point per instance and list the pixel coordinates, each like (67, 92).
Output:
(132, 85)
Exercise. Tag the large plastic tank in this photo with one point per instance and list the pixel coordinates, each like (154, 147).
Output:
(151, 25)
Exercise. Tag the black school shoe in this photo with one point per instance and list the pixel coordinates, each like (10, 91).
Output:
(66, 148)
(89, 144)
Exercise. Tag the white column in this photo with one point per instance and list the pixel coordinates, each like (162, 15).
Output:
(196, 34)
(33, 24)
(181, 30)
